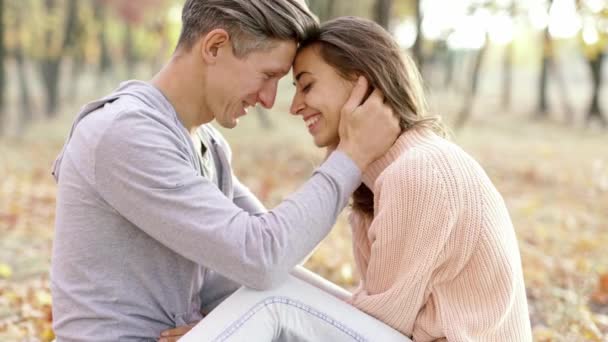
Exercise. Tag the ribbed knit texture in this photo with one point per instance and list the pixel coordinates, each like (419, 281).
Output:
(440, 258)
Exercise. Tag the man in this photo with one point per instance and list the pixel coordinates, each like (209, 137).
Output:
(151, 225)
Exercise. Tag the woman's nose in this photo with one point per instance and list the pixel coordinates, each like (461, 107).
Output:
(296, 104)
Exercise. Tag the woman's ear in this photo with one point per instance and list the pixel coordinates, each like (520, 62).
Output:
(213, 43)
(370, 87)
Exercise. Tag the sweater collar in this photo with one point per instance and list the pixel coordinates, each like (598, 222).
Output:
(404, 142)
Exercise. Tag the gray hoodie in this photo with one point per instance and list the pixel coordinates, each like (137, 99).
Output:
(143, 240)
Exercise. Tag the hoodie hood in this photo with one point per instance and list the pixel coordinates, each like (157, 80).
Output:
(143, 91)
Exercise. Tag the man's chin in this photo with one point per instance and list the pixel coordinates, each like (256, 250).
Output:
(229, 124)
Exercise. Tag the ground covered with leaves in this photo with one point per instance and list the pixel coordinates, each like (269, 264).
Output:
(554, 179)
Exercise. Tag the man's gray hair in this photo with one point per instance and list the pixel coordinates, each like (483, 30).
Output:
(252, 24)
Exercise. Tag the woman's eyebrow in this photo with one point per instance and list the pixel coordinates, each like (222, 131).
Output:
(300, 74)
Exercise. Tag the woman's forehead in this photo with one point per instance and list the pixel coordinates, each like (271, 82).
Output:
(306, 57)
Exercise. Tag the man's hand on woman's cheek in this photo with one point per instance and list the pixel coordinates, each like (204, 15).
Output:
(368, 127)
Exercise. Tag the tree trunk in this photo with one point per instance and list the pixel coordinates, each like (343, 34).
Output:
(78, 68)
(465, 112)
(561, 87)
(24, 93)
(2, 71)
(417, 48)
(75, 41)
(507, 76)
(50, 65)
(382, 12)
(105, 61)
(104, 69)
(50, 80)
(547, 46)
(543, 106)
(507, 80)
(25, 104)
(448, 63)
(129, 51)
(596, 74)
(549, 66)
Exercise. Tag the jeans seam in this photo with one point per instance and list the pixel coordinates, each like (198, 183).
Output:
(287, 301)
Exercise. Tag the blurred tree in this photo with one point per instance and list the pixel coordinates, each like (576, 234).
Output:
(160, 30)
(19, 46)
(324, 9)
(78, 47)
(129, 49)
(473, 85)
(50, 63)
(547, 55)
(328, 9)
(382, 12)
(594, 40)
(594, 111)
(417, 47)
(101, 19)
(2, 69)
(507, 65)
(133, 13)
(471, 92)
(549, 66)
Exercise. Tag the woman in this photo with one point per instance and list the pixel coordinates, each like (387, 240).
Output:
(432, 238)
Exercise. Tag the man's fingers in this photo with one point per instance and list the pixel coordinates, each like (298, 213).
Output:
(179, 331)
(356, 95)
(376, 97)
(169, 339)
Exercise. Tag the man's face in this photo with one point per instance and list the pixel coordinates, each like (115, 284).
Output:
(239, 83)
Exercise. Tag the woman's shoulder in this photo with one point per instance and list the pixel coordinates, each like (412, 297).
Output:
(433, 159)
(425, 147)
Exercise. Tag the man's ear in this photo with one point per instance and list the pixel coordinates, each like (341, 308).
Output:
(213, 43)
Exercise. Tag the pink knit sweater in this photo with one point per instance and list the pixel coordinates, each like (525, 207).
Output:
(440, 258)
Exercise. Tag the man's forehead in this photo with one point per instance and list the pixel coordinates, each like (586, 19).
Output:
(279, 58)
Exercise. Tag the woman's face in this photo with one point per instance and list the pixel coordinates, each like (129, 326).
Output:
(320, 95)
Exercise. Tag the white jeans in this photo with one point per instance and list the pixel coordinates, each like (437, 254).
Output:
(295, 311)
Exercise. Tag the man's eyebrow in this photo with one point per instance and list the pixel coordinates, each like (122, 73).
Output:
(281, 71)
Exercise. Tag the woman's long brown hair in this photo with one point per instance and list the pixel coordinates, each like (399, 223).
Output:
(360, 47)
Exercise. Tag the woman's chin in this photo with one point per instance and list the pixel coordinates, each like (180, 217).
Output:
(319, 141)
(323, 142)
(319, 145)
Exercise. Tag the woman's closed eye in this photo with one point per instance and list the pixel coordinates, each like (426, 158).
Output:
(306, 88)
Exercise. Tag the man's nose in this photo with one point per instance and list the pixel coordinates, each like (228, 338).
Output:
(268, 94)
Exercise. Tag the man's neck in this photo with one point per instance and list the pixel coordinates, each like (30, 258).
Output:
(181, 82)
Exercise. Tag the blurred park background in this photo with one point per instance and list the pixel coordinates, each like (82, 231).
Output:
(519, 82)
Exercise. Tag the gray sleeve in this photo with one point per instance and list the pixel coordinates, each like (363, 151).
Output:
(245, 199)
(143, 170)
